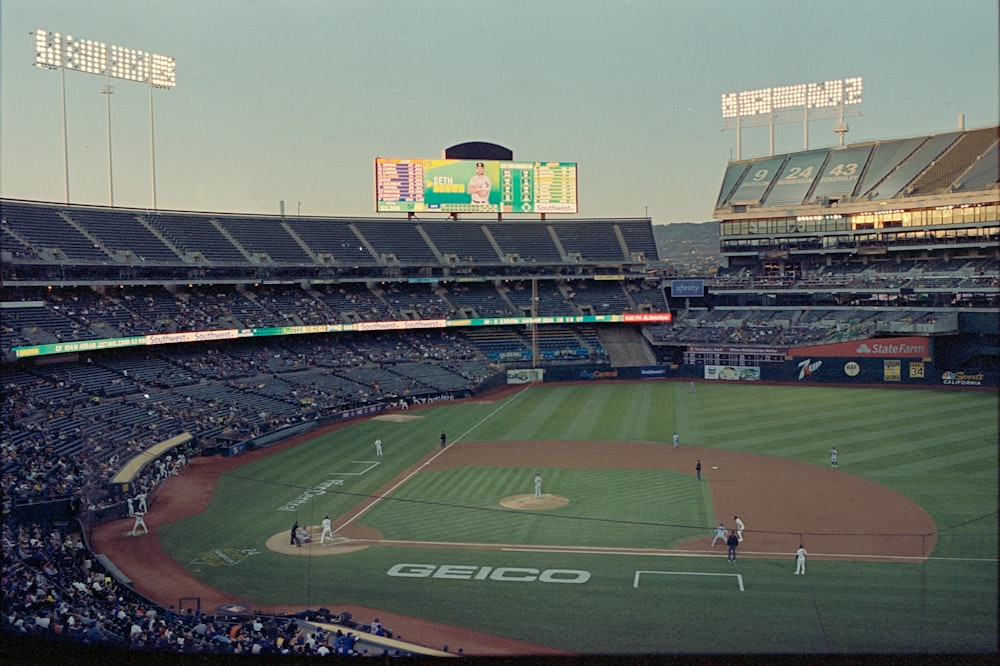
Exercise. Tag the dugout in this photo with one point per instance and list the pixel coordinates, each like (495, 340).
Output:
(126, 476)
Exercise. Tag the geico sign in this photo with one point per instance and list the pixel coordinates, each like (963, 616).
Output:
(505, 574)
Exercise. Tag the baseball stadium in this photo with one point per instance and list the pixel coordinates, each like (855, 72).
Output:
(477, 425)
(191, 385)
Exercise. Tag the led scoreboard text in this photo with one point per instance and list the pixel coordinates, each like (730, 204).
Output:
(471, 186)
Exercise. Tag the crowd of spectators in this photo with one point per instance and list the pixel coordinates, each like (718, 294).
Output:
(82, 313)
(70, 427)
(55, 589)
(765, 328)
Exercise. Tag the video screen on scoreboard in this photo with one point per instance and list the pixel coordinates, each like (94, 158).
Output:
(471, 186)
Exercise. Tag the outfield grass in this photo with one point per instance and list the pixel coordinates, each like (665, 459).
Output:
(938, 448)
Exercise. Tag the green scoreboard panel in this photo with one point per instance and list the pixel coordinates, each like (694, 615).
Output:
(470, 186)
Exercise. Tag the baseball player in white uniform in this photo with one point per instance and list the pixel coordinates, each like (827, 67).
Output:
(739, 527)
(800, 560)
(327, 530)
(140, 522)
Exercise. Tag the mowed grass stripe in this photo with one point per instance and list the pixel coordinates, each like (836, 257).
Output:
(936, 462)
(788, 431)
(831, 407)
(606, 507)
(895, 453)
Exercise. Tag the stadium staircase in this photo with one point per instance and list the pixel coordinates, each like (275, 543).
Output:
(626, 348)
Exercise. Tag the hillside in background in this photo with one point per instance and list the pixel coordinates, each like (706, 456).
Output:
(688, 248)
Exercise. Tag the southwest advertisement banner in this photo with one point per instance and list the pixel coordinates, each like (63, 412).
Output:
(909, 347)
(394, 325)
(471, 186)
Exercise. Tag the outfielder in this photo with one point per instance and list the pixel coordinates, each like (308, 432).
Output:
(800, 560)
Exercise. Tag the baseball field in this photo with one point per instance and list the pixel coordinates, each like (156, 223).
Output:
(615, 557)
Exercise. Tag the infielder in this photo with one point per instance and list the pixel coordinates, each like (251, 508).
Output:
(327, 530)
(739, 527)
(677, 440)
(720, 534)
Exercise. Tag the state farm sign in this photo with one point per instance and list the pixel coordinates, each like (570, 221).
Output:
(910, 347)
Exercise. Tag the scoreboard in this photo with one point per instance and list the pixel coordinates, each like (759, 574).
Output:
(471, 186)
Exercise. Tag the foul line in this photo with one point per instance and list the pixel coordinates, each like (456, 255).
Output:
(372, 464)
(648, 552)
(434, 457)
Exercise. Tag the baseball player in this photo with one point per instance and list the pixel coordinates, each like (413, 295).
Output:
(139, 522)
(720, 534)
(538, 486)
(739, 527)
(378, 447)
(800, 560)
(327, 530)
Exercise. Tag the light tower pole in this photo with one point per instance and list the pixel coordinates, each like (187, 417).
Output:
(109, 90)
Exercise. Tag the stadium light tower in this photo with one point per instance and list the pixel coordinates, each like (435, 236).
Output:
(805, 101)
(55, 51)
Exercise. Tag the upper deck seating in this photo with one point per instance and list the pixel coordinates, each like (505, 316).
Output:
(266, 237)
(46, 229)
(532, 243)
(120, 231)
(593, 241)
(198, 236)
(465, 240)
(398, 238)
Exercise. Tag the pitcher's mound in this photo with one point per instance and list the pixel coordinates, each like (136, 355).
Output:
(530, 502)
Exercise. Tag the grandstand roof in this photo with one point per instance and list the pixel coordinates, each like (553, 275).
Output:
(897, 170)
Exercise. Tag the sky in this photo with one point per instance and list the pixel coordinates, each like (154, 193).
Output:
(292, 100)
